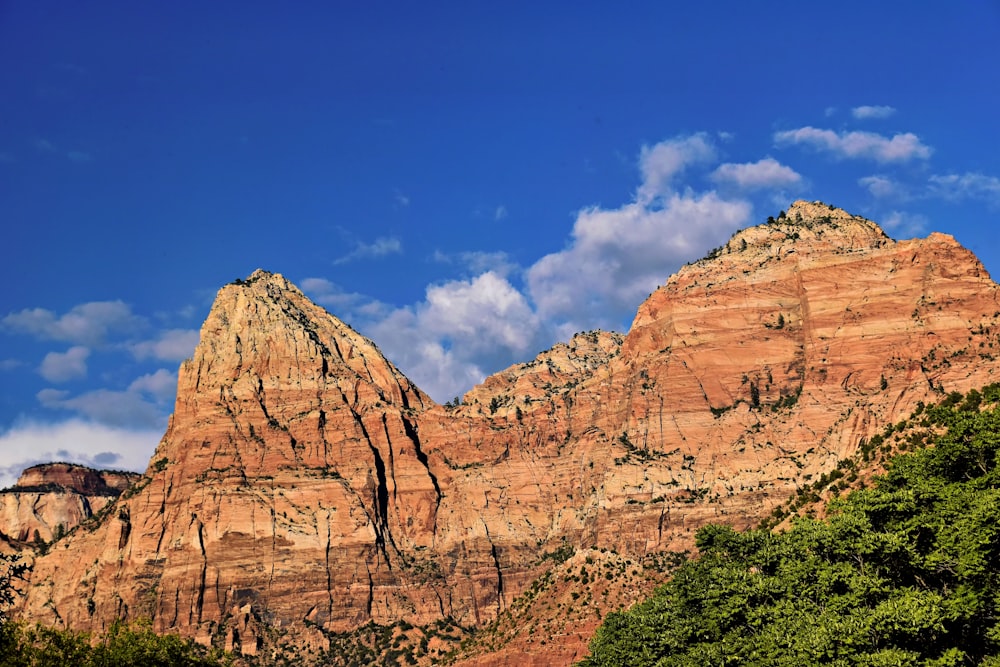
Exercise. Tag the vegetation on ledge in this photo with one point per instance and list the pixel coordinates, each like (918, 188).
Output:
(124, 645)
(906, 572)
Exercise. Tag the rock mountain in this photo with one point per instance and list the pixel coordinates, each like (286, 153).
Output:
(305, 487)
(51, 498)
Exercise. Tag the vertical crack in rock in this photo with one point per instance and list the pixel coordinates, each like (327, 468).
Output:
(381, 491)
(177, 607)
(381, 495)
(392, 459)
(495, 553)
(274, 547)
(371, 591)
(200, 600)
(126, 526)
(329, 573)
(411, 433)
(322, 434)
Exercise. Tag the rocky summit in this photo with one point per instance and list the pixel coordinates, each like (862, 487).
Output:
(305, 487)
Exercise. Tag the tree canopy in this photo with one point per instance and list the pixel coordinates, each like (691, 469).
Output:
(906, 572)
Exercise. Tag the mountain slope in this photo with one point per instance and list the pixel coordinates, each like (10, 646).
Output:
(902, 573)
(305, 487)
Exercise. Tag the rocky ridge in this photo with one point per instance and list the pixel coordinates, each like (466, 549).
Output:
(51, 498)
(305, 487)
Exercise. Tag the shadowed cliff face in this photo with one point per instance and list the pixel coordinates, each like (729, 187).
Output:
(305, 484)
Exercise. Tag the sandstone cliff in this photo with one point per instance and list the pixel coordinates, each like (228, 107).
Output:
(305, 487)
(52, 498)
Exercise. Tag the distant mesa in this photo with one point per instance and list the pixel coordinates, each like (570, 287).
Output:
(51, 499)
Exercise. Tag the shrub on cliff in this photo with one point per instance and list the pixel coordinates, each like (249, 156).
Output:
(124, 645)
(904, 573)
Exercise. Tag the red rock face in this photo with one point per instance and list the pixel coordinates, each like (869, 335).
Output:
(52, 498)
(305, 484)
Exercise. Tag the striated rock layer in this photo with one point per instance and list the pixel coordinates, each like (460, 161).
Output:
(52, 498)
(305, 486)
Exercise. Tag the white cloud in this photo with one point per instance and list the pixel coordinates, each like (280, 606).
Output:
(65, 366)
(170, 345)
(79, 156)
(660, 163)
(327, 294)
(867, 112)
(45, 146)
(119, 409)
(970, 185)
(401, 199)
(618, 256)
(382, 246)
(500, 213)
(883, 187)
(477, 262)
(464, 329)
(74, 441)
(903, 224)
(86, 324)
(10, 364)
(766, 173)
(161, 385)
(460, 328)
(869, 145)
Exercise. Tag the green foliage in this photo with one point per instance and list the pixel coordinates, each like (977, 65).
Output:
(12, 570)
(906, 572)
(123, 646)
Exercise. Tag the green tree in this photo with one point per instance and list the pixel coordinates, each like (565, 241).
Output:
(12, 570)
(906, 572)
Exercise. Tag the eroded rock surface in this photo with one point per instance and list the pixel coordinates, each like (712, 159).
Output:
(52, 498)
(305, 486)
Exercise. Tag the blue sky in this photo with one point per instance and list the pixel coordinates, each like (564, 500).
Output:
(465, 183)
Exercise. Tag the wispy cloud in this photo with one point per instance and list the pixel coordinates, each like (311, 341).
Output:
(79, 156)
(903, 224)
(65, 366)
(45, 146)
(884, 187)
(970, 185)
(476, 262)
(380, 247)
(400, 199)
(766, 173)
(615, 257)
(664, 161)
(461, 327)
(169, 345)
(161, 385)
(618, 256)
(117, 409)
(86, 324)
(858, 145)
(500, 213)
(326, 293)
(869, 112)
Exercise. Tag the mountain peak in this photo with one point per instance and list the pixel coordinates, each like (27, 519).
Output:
(305, 486)
(816, 210)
